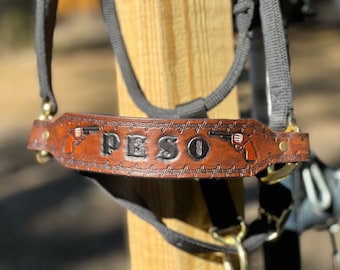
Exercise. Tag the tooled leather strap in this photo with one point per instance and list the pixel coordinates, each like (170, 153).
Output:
(162, 148)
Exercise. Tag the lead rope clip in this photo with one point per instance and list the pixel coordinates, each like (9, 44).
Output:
(233, 237)
(275, 222)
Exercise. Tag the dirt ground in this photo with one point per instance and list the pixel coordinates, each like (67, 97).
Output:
(51, 218)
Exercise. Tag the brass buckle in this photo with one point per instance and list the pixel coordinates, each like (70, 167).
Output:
(276, 222)
(274, 174)
(233, 237)
(42, 156)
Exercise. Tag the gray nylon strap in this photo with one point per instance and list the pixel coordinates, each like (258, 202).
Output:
(275, 46)
(186, 243)
(277, 64)
(279, 82)
(196, 109)
(180, 240)
(243, 11)
(44, 30)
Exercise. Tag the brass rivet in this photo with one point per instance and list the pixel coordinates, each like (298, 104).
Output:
(46, 108)
(42, 157)
(45, 135)
(283, 146)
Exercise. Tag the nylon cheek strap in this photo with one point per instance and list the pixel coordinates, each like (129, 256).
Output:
(283, 253)
(277, 64)
(243, 11)
(44, 29)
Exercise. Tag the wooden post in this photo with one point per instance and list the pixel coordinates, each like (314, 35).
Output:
(180, 50)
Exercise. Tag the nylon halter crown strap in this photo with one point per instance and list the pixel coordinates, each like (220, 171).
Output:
(243, 11)
(45, 23)
(70, 137)
(281, 101)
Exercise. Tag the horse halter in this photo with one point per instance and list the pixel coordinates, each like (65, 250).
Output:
(182, 143)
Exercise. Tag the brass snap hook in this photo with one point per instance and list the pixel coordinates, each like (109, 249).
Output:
(275, 222)
(233, 237)
(274, 175)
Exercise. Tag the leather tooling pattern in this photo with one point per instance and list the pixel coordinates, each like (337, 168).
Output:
(170, 148)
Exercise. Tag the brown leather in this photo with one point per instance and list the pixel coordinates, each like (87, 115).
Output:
(169, 148)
